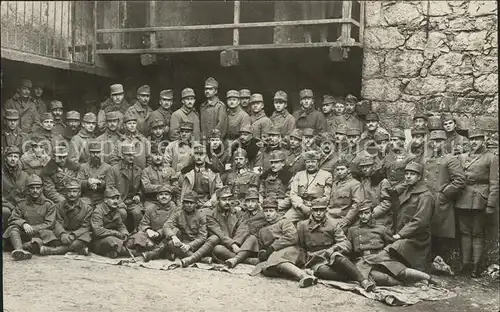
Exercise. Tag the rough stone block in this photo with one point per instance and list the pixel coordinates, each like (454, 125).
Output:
(371, 64)
(402, 13)
(490, 105)
(403, 63)
(460, 85)
(465, 105)
(461, 23)
(486, 123)
(417, 41)
(436, 45)
(446, 64)
(390, 121)
(440, 23)
(381, 89)
(484, 65)
(486, 22)
(373, 14)
(383, 38)
(426, 86)
(439, 8)
(469, 41)
(487, 83)
(480, 8)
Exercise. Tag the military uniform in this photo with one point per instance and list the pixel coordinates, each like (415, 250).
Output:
(14, 182)
(379, 193)
(88, 171)
(111, 141)
(263, 158)
(236, 118)
(347, 195)
(79, 144)
(178, 154)
(74, 220)
(110, 106)
(252, 147)
(240, 180)
(55, 177)
(203, 181)
(213, 113)
(283, 120)
(183, 114)
(15, 137)
(32, 164)
(353, 122)
(260, 124)
(59, 126)
(310, 118)
(154, 177)
(28, 114)
(161, 114)
(142, 145)
(141, 112)
(294, 159)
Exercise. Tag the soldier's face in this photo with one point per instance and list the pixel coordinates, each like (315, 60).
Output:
(327, 108)
(372, 125)
(257, 107)
(157, 158)
(339, 137)
(306, 102)
(95, 155)
(225, 203)
(199, 158)
(188, 206)
(24, 92)
(245, 137)
(365, 216)
(75, 124)
(210, 92)
(48, 124)
(72, 194)
(57, 113)
(113, 201)
(279, 105)
(112, 125)
(419, 123)
(164, 198)
(35, 191)
(165, 103)
(185, 135)
(188, 102)
(117, 98)
(129, 158)
(233, 102)
(311, 165)
(131, 126)
(38, 92)
(270, 214)
(397, 142)
(37, 150)
(367, 170)
(277, 165)
(318, 214)
(476, 143)
(89, 126)
(143, 98)
(215, 143)
(339, 108)
(294, 143)
(274, 139)
(60, 160)
(251, 204)
(157, 132)
(12, 160)
(326, 146)
(382, 144)
(353, 139)
(449, 125)
(240, 162)
(341, 172)
(418, 139)
(244, 101)
(350, 107)
(411, 177)
(12, 124)
(438, 144)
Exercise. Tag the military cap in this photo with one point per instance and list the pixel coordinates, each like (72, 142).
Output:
(246, 129)
(225, 191)
(273, 130)
(72, 115)
(420, 115)
(60, 150)
(279, 194)
(73, 184)
(128, 149)
(157, 123)
(198, 148)
(311, 155)
(165, 188)
(46, 116)
(114, 115)
(244, 93)
(320, 203)
(420, 130)
(342, 162)
(353, 131)
(211, 83)
(95, 146)
(306, 93)
(398, 133)
(89, 117)
(187, 92)
(277, 156)
(252, 194)
(296, 133)
(190, 196)
(474, 133)
(365, 205)
(351, 98)
(381, 136)
(38, 84)
(129, 117)
(240, 153)
(11, 114)
(116, 89)
(26, 83)
(232, 93)
(145, 89)
(214, 133)
(270, 202)
(339, 99)
(437, 134)
(167, 94)
(56, 104)
(371, 117)
(12, 150)
(281, 95)
(34, 180)
(326, 137)
(447, 116)
(186, 125)
(434, 123)
(341, 129)
(414, 166)
(366, 161)
(256, 97)
(308, 132)
(328, 99)
(111, 191)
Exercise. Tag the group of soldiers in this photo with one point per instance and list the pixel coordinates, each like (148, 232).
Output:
(315, 194)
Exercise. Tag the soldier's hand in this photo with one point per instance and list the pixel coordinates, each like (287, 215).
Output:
(490, 210)
(152, 234)
(136, 199)
(396, 237)
(176, 241)
(65, 239)
(235, 248)
(185, 247)
(263, 255)
(28, 229)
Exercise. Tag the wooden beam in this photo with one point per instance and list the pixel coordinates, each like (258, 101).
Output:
(152, 23)
(361, 21)
(236, 21)
(346, 28)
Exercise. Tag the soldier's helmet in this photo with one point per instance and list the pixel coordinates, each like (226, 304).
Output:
(252, 194)
(34, 180)
(270, 202)
(320, 203)
(312, 155)
(415, 167)
(190, 197)
(164, 189)
(111, 191)
(73, 184)
(365, 205)
(225, 191)
(277, 156)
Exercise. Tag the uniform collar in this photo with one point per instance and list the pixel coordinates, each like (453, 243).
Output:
(212, 102)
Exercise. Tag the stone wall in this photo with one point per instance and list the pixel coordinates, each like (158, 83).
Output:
(432, 56)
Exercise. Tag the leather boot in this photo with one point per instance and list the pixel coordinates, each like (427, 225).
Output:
(198, 254)
(154, 254)
(305, 280)
(251, 261)
(466, 246)
(59, 250)
(384, 279)
(19, 253)
(477, 252)
(239, 258)
(221, 253)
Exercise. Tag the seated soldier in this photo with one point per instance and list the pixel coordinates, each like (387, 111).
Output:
(368, 240)
(92, 174)
(156, 213)
(323, 246)
(35, 157)
(32, 221)
(277, 178)
(157, 174)
(72, 226)
(278, 250)
(109, 231)
(240, 178)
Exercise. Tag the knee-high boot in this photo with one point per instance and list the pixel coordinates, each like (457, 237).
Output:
(477, 252)
(239, 258)
(155, 253)
(305, 280)
(59, 250)
(221, 253)
(19, 253)
(384, 279)
(345, 265)
(327, 273)
(205, 249)
(466, 246)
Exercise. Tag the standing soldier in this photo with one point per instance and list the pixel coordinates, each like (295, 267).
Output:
(307, 185)
(492, 143)
(352, 121)
(72, 124)
(273, 143)
(163, 113)
(157, 174)
(455, 143)
(445, 178)
(260, 122)
(336, 116)
(247, 142)
(116, 102)
(45, 130)
(133, 137)
(41, 106)
(178, 153)
(372, 128)
(281, 118)
(36, 157)
(308, 116)
(240, 178)
(418, 144)
(56, 108)
(32, 222)
(245, 101)
(185, 114)
(23, 103)
(111, 138)
(79, 144)
(56, 174)
(294, 160)
(14, 181)
(72, 226)
(479, 198)
(213, 111)
(141, 110)
(92, 174)
(12, 134)
(125, 176)
(420, 120)
(237, 117)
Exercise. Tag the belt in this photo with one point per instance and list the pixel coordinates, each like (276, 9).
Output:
(370, 252)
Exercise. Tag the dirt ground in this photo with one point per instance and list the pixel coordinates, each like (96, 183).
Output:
(58, 284)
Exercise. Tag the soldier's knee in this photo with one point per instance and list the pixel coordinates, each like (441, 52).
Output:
(213, 239)
(123, 213)
(220, 249)
(5, 213)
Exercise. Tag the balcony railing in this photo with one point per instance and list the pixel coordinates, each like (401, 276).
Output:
(156, 34)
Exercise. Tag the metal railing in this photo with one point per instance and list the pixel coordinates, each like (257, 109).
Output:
(63, 30)
(116, 40)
